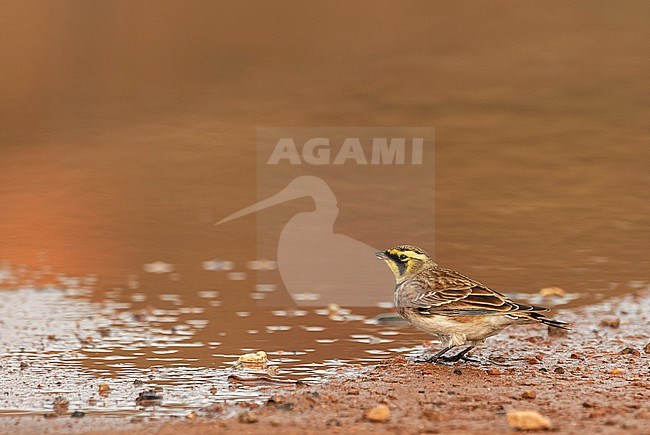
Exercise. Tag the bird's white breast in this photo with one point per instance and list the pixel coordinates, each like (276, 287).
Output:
(456, 332)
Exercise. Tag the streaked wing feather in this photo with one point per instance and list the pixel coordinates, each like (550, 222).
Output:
(461, 296)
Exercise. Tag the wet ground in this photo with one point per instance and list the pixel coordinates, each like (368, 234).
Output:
(593, 378)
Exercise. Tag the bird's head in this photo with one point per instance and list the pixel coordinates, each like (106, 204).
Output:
(405, 260)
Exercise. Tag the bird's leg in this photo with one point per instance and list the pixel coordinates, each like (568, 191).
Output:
(466, 358)
(437, 356)
(460, 355)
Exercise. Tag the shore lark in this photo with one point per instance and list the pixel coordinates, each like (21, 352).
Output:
(451, 306)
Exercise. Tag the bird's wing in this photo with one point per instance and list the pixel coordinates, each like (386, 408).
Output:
(447, 292)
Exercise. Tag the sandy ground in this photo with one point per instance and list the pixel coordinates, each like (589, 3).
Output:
(595, 379)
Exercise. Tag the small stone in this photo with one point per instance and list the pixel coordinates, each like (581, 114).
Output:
(247, 417)
(222, 423)
(643, 415)
(77, 414)
(458, 371)
(435, 415)
(617, 371)
(629, 425)
(556, 332)
(528, 420)
(630, 351)
(611, 322)
(148, 398)
(559, 370)
(61, 405)
(353, 391)
(333, 309)
(551, 291)
(275, 422)
(646, 349)
(104, 390)
(378, 414)
(494, 372)
(529, 394)
(253, 361)
(597, 413)
(191, 416)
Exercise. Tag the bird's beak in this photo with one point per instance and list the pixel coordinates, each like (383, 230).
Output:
(285, 195)
(381, 255)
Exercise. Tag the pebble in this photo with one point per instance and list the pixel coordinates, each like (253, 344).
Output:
(617, 371)
(611, 322)
(77, 414)
(557, 332)
(528, 420)
(247, 417)
(552, 291)
(104, 390)
(458, 371)
(148, 398)
(61, 405)
(529, 394)
(597, 413)
(254, 361)
(559, 370)
(646, 349)
(630, 351)
(378, 414)
(494, 372)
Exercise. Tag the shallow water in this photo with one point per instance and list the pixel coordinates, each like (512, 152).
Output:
(56, 342)
(119, 156)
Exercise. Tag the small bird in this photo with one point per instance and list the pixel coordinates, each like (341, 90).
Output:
(451, 306)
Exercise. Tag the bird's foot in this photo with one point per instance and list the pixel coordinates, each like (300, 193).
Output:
(424, 359)
(441, 360)
(501, 362)
(435, 359)
(470, 360)
(456, 358)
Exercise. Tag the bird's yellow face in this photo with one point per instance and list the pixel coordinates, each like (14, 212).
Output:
(405, 260)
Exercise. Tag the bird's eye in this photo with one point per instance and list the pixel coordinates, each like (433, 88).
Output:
(403, 257)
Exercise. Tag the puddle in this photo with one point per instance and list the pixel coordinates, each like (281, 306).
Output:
(58, 341)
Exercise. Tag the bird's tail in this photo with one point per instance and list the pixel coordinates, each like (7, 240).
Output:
(535, 315)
